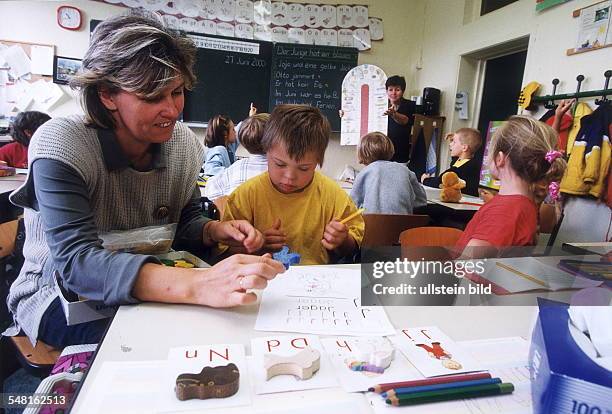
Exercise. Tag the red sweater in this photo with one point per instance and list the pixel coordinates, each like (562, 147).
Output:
(505, 221)
(15, 155)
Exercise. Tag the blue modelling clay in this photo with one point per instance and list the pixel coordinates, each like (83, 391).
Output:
(286, 258)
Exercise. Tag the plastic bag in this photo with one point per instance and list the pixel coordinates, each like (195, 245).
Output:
(143, 240)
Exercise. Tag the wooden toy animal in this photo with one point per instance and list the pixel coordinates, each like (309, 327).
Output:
(211, 382)
(302, 365)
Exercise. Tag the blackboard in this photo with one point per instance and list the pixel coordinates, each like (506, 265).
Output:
(311, 75)
(231, 74)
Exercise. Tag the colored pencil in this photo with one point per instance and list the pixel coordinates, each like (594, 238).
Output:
(451, 394)
(352, 216)
(469, 203)
(429, 381)
(411, 390)
(523, 275)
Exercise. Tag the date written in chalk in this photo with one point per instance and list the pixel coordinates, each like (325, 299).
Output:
(430, 289)
(11, 400)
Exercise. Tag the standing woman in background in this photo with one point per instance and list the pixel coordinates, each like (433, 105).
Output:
(401, 117)
(126, 165)
(15, 154)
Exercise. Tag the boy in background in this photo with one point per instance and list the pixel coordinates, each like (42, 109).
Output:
(292, 204)
(250, 135)
(463, 145)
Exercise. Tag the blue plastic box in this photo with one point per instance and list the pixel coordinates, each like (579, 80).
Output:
(564, 378)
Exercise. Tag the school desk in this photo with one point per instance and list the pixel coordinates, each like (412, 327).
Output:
(7, 184)
(467, 203)
(147, 331)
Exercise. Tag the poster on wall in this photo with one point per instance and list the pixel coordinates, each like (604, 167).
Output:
(486, 179)
(546, 4)
(277, 21)
(594, 26)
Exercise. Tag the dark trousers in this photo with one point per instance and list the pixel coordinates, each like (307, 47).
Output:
(54, 331)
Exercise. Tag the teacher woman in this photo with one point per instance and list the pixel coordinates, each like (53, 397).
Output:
(125, 165)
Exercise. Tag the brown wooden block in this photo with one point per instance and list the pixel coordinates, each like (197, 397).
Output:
(211, 382)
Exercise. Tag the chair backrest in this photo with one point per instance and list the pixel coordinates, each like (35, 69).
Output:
(428, 243)
(385, 229)
(8, 232)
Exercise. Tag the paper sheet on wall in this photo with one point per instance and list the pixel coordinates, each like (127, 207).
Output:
(364, 102)
(594, 26)
(19, 63)
(42, 59)
(191, 359)
(287, 345)
(320, 300)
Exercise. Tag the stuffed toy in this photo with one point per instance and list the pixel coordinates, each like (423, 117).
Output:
(451, 187)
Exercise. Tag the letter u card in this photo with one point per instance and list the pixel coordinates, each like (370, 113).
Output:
(201, 377)
(290, 363)
(433, 353)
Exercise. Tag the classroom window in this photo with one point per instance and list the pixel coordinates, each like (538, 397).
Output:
(487, 6)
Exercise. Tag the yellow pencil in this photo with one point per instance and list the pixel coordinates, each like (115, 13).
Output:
(523, 275)
(352, 216)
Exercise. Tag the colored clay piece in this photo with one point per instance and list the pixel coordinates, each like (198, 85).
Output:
(376, 353)
(211, 382)
(302, 365)
(177, 263)
(286, 258)
(362, 366)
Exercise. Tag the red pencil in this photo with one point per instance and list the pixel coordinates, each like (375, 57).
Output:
(380, 388)
(469, 203)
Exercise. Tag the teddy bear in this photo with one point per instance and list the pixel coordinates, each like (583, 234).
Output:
(451, 187)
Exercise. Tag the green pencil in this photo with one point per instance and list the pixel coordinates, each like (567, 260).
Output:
(451, 394)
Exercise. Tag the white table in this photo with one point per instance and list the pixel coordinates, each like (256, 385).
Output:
(150, 330)
(8, 184)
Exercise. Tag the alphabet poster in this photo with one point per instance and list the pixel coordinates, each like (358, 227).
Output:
(320, 300)
(192, 359)
(288, 346)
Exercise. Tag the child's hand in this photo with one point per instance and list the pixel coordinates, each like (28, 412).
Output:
(564, 106)
(335, 234)
(424, 176)
(274, 237)
(340, 113)
(252, 110)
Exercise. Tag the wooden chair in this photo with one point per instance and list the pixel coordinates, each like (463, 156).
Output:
(38, 359)
(429, 243)
(385, 229)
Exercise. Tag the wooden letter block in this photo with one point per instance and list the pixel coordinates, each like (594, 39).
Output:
(217, 382)
(302, 365)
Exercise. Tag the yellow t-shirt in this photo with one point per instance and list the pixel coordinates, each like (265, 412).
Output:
(303, 215)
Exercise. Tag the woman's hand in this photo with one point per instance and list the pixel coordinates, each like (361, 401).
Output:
(226, 283)
(252, 110)
(234, 233)
(274, 237)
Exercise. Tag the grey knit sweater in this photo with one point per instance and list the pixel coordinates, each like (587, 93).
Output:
(120, 199)
(388, 187)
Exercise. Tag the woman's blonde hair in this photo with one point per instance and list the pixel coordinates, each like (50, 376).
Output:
(374, 146)
(526, 142)
(135, 54)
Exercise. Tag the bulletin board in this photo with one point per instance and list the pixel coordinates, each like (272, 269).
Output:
(594, 31)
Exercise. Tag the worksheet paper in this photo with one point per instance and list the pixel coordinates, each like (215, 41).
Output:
(506, 358)
(287, 345)
(339, 351)
(433, 353)
(320, 300)
(191, 359)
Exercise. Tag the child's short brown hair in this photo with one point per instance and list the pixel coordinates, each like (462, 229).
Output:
(300, 129)
(217, 131)
(469, 137)
(374, 146)
(251, 132)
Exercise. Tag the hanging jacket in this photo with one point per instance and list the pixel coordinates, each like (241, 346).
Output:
(581, 110)
(566, 123)
(589, 161)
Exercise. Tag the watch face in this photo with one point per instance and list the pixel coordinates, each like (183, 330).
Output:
(69, 17)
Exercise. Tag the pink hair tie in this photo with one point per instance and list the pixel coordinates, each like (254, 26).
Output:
(553, 191)
(551, 156)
